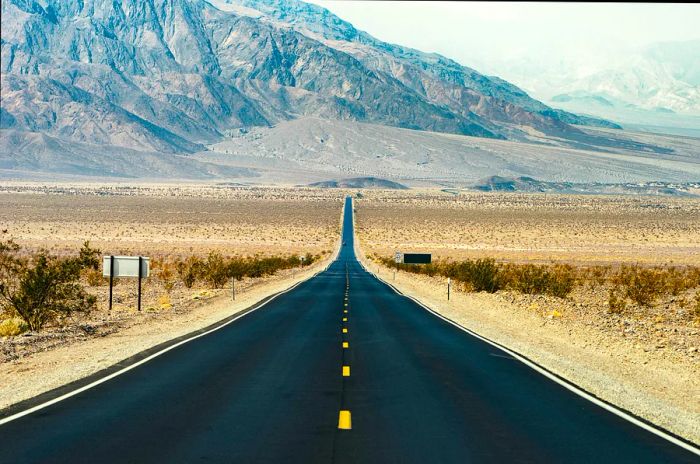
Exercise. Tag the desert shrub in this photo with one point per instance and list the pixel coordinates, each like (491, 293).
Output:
(641, 285)
(616, 304)
(166, 276)
(677, 281)
(595, 276)
(89, 258)
(556, 280)
(237, 269)
(189, 270)
(13, 326)
(43, 289)
(94, 277)
(482, 275)
(215, 270)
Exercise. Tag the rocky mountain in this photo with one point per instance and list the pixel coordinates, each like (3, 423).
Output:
(171, 76)
(657, 85)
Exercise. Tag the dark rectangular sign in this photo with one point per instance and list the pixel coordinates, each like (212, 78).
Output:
(416, 258)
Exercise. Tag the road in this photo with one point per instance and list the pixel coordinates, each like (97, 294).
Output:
(270, 387)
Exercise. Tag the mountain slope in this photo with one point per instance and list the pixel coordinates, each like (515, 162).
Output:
(171, 75)
(313, 149)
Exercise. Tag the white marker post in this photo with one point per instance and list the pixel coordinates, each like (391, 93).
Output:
(125, 266)
(448, 289)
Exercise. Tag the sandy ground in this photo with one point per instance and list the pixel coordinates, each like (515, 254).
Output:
(43, 371)
(167, 221)
(532, 227)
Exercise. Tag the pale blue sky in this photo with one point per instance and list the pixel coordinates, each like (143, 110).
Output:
(466, 31)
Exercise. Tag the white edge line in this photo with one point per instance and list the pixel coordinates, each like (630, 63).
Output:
(163, 351)
(566, 384)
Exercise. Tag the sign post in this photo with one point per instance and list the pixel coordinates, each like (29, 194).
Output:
(125, 266)
(140, 277)
(448, 289)
(111, 280)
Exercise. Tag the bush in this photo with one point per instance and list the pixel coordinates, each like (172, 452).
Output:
(616, 305)
(486, 275)
(642, 286)
(13, 326)
(43, 290)
(482, 275)
(557, 280)
(166, 276)
(189, 270)
(95, 278)
(215, 270)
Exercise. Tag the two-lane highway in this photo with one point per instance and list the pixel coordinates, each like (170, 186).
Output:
(339, 369)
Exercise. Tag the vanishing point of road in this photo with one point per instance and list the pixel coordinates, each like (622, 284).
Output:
(339, 369)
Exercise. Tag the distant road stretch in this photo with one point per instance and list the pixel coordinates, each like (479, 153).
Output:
(339, 369)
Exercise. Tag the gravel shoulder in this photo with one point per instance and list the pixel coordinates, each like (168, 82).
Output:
(40, 372)
(659, 385)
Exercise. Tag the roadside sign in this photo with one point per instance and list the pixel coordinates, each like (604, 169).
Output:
(398, 257)
(125, 266)
(417, 258)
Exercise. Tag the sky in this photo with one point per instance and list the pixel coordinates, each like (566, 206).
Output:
(477, 32)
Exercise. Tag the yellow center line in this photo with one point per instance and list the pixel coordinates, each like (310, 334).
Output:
(344, 420)
(345, 330)
(345, 319)
(346, 345)
(346, 371)
(345, 311)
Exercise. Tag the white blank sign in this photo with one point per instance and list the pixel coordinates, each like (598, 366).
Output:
(126, 266)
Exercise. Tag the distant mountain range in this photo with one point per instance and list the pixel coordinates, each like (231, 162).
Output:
(658, 85)
(170, 76)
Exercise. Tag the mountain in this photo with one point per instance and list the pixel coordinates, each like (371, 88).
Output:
(360, 183)
(172, 76)
(306, 150)
(657, 85)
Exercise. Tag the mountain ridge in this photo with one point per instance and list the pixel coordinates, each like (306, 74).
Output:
(174, 75)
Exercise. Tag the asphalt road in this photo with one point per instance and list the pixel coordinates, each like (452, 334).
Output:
(270, 387)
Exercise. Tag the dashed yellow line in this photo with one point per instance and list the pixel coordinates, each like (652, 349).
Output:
(345, 319)
(346, 371)
(346, 345)
(344, 420)
(345, 311)
(345, 330)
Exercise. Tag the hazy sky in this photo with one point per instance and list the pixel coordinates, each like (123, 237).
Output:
(553, 31)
